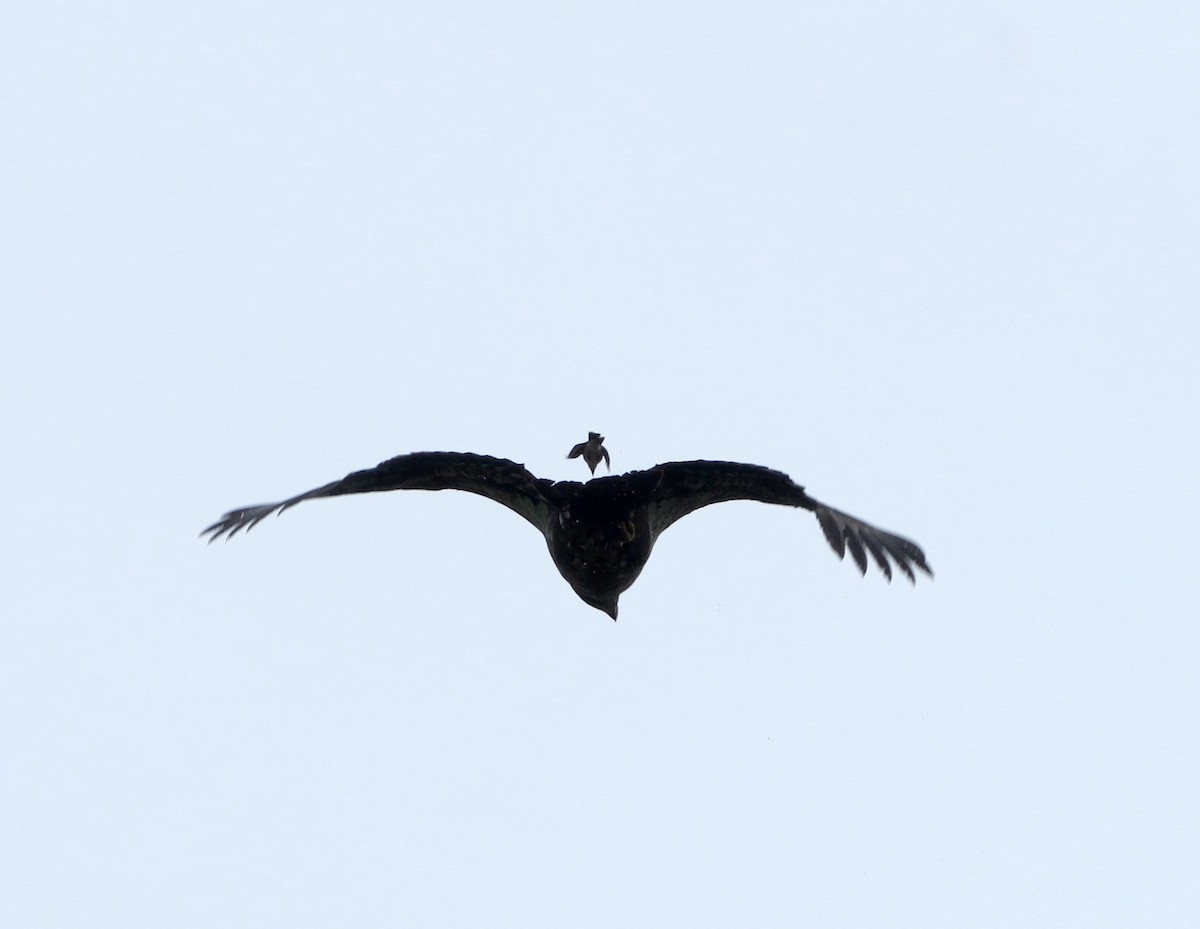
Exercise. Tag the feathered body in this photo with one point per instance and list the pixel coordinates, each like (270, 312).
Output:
(592, 450)
(601, 533)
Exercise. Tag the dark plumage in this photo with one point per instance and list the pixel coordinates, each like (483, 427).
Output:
(600, 533)
(592, 451)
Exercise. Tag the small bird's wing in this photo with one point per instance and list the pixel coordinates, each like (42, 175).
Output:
(577, 450)
(686, 486)
(604, 452)
(495, 478)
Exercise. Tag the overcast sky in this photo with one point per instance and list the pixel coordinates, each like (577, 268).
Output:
(936, 261)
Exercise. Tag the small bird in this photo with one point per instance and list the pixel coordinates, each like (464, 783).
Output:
(600, 533)
(592, 451)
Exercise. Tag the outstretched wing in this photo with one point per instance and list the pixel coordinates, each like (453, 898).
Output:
(495, 478)
(846, 532)
(686, 486)
(577, 450)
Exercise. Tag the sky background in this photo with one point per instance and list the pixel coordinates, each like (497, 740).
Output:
(936, 261)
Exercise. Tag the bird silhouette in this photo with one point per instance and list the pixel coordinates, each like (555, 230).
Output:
(600, 533)
(592, 451)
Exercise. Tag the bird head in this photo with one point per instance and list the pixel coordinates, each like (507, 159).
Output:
(603, 604)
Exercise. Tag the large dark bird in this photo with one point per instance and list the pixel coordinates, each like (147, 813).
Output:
(600, 533)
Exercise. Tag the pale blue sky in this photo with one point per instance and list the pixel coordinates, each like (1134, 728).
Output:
(935, 261)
